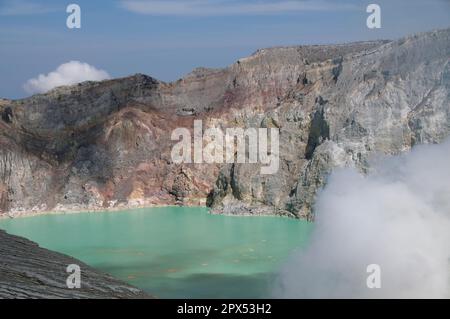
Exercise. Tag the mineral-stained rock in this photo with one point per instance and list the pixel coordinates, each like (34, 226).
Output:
(28, 271)
(106, 144)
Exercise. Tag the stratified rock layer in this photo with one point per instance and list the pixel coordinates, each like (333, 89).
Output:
(107, 144)
(28, 271)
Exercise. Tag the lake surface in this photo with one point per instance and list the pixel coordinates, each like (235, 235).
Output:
(173, 252)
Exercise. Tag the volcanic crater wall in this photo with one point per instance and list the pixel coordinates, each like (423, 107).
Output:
(107, 144)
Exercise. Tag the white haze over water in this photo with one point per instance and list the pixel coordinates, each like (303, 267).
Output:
(398, 217)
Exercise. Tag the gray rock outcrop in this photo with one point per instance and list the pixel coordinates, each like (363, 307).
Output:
(30, 272)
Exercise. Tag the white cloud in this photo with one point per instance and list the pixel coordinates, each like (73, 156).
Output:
(22, 7)
(66, 74)
(397, 217)
(228, 7)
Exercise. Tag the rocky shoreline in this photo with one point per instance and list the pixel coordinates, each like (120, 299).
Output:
(68, 211)
(28, 271)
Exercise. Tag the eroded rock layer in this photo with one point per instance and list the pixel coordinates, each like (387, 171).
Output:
(108, 144)
(30, 272)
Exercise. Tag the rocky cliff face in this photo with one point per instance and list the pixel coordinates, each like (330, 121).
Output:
(107, 144)
(28, 271)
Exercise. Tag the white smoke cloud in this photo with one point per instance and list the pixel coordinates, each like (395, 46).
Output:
(66, 74)
(397, 217)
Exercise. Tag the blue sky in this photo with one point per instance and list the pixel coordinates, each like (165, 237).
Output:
(168, 38)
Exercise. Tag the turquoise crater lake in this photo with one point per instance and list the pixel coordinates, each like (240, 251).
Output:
(173, 252)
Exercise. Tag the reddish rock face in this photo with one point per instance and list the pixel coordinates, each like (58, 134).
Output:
(108, 144)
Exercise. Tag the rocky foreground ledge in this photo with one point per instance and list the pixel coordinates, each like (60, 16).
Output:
(29, 271)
